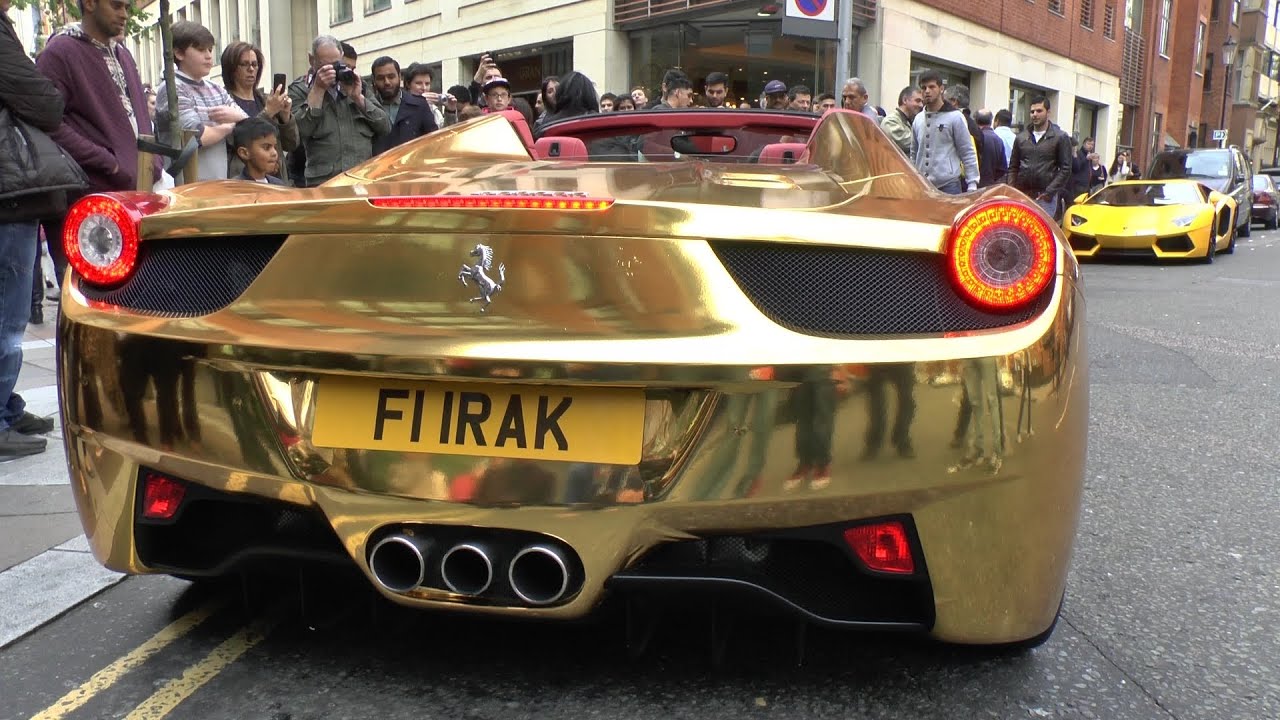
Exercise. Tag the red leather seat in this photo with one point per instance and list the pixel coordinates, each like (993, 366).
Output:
(782, 153)
(522, 128)
(560, 148)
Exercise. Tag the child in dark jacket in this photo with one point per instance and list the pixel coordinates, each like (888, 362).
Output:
(257, 144)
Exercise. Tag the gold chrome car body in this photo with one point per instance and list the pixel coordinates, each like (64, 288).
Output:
(629, 298)
(1165, 232)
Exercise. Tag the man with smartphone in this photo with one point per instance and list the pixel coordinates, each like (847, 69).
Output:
(337, 123)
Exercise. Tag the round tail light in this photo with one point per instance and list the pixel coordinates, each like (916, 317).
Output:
(100, 235)
(1001, 255)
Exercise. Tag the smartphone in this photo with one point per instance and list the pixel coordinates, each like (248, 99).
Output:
(279, 81)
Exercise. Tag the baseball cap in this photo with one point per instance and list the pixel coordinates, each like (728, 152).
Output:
(496, 83)
(775, 86)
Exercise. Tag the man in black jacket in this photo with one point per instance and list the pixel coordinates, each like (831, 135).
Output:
(30, 97)
(410, 115)
(1040, 164)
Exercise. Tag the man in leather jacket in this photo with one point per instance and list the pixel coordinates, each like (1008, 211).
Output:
(1040, 164)
(30, 97)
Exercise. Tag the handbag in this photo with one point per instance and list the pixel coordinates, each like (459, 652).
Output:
(32, 163)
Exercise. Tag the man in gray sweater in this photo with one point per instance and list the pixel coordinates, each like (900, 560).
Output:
(944, 149)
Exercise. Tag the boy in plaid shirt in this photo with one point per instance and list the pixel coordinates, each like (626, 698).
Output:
(203, 107)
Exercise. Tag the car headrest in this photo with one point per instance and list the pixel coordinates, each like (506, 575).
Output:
(560, 148)
(782, 153)
(522, 128)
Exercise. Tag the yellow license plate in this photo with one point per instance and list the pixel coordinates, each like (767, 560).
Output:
(534, 422)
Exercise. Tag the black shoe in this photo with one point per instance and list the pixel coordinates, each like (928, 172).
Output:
(54, 296)
(30, 424)
(15, 444)
(37, 315)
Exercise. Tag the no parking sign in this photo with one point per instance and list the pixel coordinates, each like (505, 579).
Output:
(811, 18)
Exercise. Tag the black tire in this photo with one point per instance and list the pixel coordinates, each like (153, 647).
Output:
(1231, 243)
(1213, 250)
(1274, 222)
(1246, 228)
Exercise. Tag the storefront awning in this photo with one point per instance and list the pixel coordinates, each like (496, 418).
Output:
(1170, 143)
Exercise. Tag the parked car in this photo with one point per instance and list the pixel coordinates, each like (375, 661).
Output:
(1266, 201)
(1154, 219)
(1226, 170)
(507, 376)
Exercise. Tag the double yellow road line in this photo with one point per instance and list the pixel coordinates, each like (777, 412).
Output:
(164, 700)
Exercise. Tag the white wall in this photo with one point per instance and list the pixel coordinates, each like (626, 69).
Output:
(993, 59)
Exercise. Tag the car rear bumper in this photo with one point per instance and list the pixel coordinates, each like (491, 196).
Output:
(723, 444)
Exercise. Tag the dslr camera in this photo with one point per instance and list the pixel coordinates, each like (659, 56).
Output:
(345, 75)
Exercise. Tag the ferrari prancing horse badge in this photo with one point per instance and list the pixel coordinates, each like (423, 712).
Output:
(479, 274)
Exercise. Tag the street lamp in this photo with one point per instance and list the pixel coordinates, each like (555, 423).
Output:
(1228, 58)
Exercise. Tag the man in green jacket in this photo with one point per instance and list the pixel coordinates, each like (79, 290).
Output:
(897, 124)
(337, 123)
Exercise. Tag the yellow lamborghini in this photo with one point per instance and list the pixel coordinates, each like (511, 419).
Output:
(650, 354)
(1152, 218)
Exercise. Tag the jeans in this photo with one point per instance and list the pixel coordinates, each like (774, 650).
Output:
(1050, 207)
(53, 238)
(17, 256)
(952, 187)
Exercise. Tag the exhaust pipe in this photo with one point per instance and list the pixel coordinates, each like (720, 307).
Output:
(399, 562)
(466, 569)
(539, 575)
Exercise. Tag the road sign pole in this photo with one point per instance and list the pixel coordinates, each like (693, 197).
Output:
(844, 46)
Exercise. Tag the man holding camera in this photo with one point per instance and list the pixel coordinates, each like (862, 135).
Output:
(337, 124)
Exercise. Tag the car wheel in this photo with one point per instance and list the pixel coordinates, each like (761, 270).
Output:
(1231, 243)
(1274, 222)
(1213, 247)
(1246, 228)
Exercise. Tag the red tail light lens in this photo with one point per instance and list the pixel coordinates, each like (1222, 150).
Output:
(161, 497)
(1001, 255)
(1262, 198)
(882, 546)
(100, 235)
(514, 201)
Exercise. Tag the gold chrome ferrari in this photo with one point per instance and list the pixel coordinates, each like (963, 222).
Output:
(1154, 219)
(748, 354)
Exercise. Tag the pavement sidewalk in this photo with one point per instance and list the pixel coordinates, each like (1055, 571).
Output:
(45, 564)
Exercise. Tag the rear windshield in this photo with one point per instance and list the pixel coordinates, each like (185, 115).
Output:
(1261, 182)
(1198, 164)
(1148, 195)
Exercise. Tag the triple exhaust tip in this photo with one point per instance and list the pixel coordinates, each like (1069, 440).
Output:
(538, 574)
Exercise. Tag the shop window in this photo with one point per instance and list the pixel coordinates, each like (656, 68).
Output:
(951, 74)
(339, 11)
(373, 6)
(1020, 97)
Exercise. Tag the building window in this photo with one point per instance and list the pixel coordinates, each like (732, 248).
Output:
(1213, 11)
(1204, 134)
(1199, 66)
(1109, 21)
(373, 6)
(1208, 72)
(1055, 7)
(1132, 14)
(1235, 12)
(1086, 14)
(339, 11)
(1166, 9)
(1157, 128)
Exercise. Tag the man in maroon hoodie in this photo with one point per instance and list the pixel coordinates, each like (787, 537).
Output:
(106, 109)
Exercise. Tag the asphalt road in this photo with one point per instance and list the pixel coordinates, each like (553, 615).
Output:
(1172, 609)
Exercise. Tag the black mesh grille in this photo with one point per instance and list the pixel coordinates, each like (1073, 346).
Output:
(835, 292)
(189, 277)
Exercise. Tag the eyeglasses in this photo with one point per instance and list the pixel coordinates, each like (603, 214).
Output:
(500, 96)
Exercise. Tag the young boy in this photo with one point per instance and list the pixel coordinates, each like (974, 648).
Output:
(257, 144)
(203, 107)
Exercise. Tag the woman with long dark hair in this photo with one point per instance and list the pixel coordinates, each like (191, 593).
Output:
(242, 66)
(575, 95)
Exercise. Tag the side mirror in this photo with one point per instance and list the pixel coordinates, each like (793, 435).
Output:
(1081, 198)
(1239, 180)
